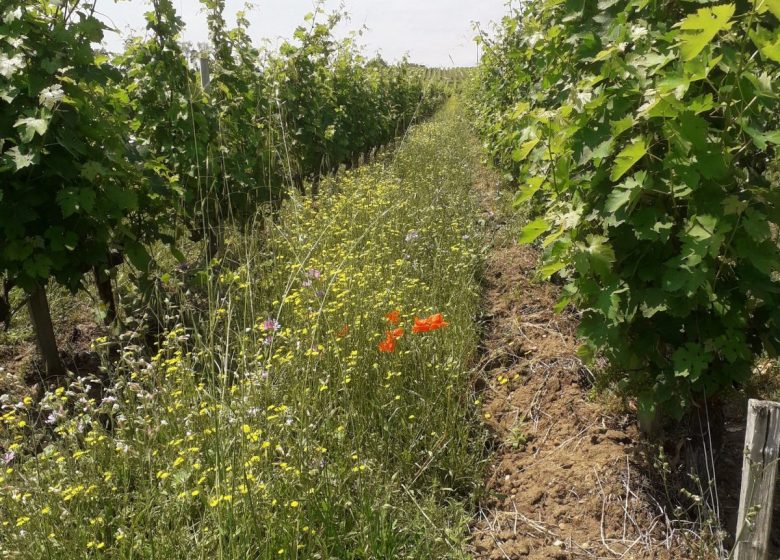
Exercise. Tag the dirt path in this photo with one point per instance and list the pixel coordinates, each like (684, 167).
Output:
(564, 481)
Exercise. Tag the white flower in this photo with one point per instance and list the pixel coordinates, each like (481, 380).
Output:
(50, 96)
(9, 66)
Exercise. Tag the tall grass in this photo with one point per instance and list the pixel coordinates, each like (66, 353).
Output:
(266, 423)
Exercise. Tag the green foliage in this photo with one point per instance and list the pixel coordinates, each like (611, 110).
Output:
(335, 105)
(67, 190)
(99, 154)
(643, 133)
(267, 423)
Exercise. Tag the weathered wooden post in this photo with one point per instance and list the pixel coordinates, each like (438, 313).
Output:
(205, 74)
(759, 474)
(40, 315)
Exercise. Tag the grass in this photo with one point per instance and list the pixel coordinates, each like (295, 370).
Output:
(266, 423)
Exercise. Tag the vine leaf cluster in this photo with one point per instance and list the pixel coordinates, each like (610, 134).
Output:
(641, 134)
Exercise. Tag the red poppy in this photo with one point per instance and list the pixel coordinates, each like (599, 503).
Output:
(388, 345)
(343, 332)
(430, 324)
(394, 317)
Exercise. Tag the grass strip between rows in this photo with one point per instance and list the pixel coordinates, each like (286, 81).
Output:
(270, 424)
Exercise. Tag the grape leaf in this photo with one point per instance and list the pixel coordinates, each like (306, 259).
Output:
(628, 157)
(756, 226)
(654, 301)
(533, 230)
(600, 254)
(768, 5)
(620, 126)
(767, 43)
(72, 201)
(522, 152)
(627, 193)
(690, 361)
(528, 190)
(92, 170)
(549, 269)
(21, 160)
(700, 28)
(31, 127)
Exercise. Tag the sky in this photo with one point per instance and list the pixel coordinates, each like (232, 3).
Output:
(435, 33)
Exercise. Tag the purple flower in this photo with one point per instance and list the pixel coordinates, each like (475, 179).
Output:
(272, 325)
(8, 457)
(412, 235)
(314, 273)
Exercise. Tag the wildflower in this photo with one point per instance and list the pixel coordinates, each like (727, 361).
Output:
(314, 273)
(388, 344)
(8, 457)
(271, 325)
(412, 235)
(394, 317)
(430, 324)
(53, 417)
(343, 332)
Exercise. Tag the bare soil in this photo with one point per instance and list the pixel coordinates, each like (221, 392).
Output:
(567, 479)
(21, 372)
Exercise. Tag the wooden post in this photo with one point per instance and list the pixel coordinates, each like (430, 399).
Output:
(44, 332)
(759, 474)
(106, 294)
(205, 74)
(5, 303)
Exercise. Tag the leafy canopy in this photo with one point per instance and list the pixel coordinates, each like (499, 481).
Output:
(641, 135)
